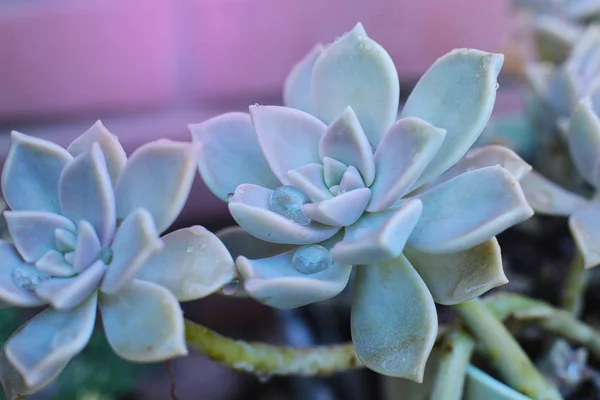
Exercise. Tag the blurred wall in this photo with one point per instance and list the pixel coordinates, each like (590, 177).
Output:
(63, 57)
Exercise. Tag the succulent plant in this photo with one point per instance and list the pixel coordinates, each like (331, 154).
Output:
(583, 136)
(85, 222)
(337, 182)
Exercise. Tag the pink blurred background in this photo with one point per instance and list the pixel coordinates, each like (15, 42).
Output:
(147, 68)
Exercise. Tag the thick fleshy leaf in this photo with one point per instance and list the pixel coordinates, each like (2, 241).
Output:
(394, 321)
(481, 157)
(356, 71)
(404, 153)
(39, 163)
(230, 154)
(157, 177)
(144, 322)
(457, 93)
(13, 383)
(48, 341)
(275, 282)
(584, 60)
(18, 279)
(333, 171)
(88, 246)
(378, 237)
(468, 210)
(68, 293)
(296, 89)
(309, 179)
(342, 210)
(584, 141)
(54, 264)
(289, 138)
(192, 264)
(135, 242)
(351, 180)
(65, 240)
(546, 197)
(33, 231)
(346, 142)
(86, 193)
(114, 154)
(249, 206)
(538, 75)
(240, 243)
(454, 278)
(585, 228)
(556, 34)
(480, 385)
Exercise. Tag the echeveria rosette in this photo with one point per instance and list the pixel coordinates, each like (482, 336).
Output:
(546, 197)
(86, 224)
(363, 186)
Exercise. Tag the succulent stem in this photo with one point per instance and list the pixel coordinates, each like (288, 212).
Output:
(575, 285)
(456, 353)
(266, 360)
(507, 356)
(559, 322)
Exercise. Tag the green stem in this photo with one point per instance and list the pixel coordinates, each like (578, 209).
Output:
(504, 351)
(559, 322)
(450, 379)
(266, 360)
(575, 285)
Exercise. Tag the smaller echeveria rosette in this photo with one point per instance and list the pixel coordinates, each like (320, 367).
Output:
(546, 197)
(336, 181)
(86, 224)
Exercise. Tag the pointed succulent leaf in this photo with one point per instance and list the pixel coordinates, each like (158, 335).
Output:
(557, 35)
(457, 93)
(54, 264)
(394, 321)
(454, 278)
(192, 264)
(68, 293)
(135, 242)
(278, 282)
(86, 193)
(228, 147)
(114, 154)
(33, 231)
(346, 142)
(143, 323)
(14, 385)
(378, 237)
(584, 225)
(157, 177)
(404, 153)
(18, 279)
(39, 163)
(584, 141)
(539, 75)
(289, 138)
(546, 197)
(584, 60)
(351, 180)
(88, 246)
(296, 89)
(356, 71)
(50, 340)
(309, 178)
(481, 157)
(468, 210)
(249, 206)
(480, 385)
(333, 171)
(65, 240)
(341, 210)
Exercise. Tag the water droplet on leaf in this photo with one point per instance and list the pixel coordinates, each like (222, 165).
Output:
(287, 201)
(311, 259)
(28, 278)
(231, 287)
(229, 196)
(264, 377)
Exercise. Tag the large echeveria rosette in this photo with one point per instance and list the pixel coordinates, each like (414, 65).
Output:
(86, 224)
(335, 175)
